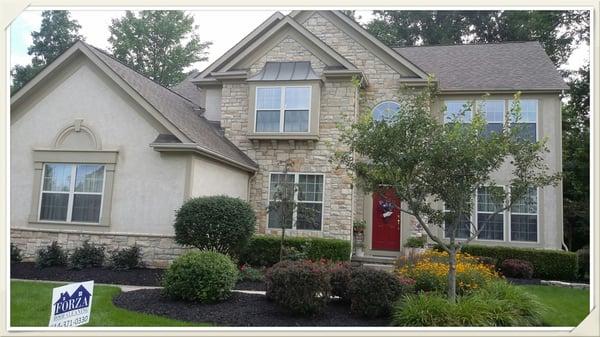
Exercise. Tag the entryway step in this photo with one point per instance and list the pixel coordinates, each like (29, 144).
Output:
(385, 260)
(385, 267)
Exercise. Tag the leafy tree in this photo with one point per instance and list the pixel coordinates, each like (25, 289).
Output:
(576, 160)
(158, 44)
(57, 33)
(429, 163)
(556, 30)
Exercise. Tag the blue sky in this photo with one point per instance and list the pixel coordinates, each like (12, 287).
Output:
(223, 27)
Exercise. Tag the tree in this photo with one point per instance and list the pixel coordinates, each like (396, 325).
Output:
(555, 30)
(158, 44)
(429, 164)
(57, 33)
(576, 160)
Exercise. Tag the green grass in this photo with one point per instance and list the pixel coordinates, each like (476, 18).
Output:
(30, 306)
(565, 306)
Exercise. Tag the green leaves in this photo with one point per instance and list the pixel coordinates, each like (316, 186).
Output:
(158, 44)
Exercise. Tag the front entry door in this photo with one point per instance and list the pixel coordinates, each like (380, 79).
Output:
(386, 221)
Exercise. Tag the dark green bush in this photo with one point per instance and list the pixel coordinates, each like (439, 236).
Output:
(497, 304)
(205, 277)
(300, 287)
(547, 264)
(52, 255)
(126, 258)
(373, 292)
(516, 268)
(263, 250)
(87, 256)
(583, 264)
(416, 242)
(220, 223)
(15, 253)
(341, 274)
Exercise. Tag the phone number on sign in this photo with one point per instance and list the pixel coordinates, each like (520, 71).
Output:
(72, 322)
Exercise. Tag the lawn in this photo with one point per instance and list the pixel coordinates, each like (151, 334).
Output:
(30, 306)
(566, 306)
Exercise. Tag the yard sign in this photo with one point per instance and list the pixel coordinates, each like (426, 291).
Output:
(71, 304)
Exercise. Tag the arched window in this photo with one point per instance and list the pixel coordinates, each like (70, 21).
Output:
(385, 110)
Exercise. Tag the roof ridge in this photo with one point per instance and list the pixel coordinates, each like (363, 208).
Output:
(467, 44)
(106, 53)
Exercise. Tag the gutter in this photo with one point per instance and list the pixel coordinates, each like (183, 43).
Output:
(192, 147)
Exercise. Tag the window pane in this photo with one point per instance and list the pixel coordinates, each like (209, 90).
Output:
(310, 187)
(57, 177)
(267, 121)
(523, 227)
(492, 229)
(86, 207)
(295, 121)
(457, 109)
(309, 216)
(493, 110)
(280, 186)
(464, 228)
(526, 131)
(492, 128)
(297, 98)
(526, 204)
(385, 110)
(268, 98)
(276, 215)
(89, 178)
(528, 110)
(54, 206)
(486, 201)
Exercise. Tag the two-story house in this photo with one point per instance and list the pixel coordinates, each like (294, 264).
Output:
(99, 151)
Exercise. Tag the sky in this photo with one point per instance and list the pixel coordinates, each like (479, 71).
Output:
(223, 27)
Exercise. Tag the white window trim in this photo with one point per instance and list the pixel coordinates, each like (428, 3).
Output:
(504, 108)
(504, 215)
(294, 215)
(537, 221)
(282, 108)
(537, 114)
(71, 194)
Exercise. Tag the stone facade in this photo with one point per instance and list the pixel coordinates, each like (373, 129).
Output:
(157, 250)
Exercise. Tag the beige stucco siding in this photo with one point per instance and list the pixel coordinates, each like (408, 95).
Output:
(148, 186)
(209, 177)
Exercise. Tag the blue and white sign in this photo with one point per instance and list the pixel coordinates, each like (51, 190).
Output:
(71, 304)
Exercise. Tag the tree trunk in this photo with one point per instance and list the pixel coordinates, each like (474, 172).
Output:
(452, 275)
(282, 242)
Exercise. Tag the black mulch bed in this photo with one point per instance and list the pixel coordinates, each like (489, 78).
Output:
(524, 281)
(240, 309)
(250, 285)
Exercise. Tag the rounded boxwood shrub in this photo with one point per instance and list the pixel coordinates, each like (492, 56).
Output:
(204, 276)
(517, 268)
(373, 292)
(52, 255)
(301, 287)
(218, 223)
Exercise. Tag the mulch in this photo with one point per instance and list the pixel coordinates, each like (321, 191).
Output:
(241, 309)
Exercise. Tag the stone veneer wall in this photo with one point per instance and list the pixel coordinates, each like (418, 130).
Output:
(157, 250)
(338, 105)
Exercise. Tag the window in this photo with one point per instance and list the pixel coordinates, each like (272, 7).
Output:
(486, 206)
(493, 112)
(528, 121)
(71, 192)
(282, 109)
(385, 111)
(457, 109)
(464, 227)
(307, 191)
(523, 218)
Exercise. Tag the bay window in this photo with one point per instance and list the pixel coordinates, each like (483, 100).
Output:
(283, 109)
(306, 191)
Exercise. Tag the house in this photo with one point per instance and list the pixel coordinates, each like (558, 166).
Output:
(100, 152)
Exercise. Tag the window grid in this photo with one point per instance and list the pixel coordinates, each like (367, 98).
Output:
(464, 228)
(494, 227)
(285, 114)
(524, 218)
(313, 180)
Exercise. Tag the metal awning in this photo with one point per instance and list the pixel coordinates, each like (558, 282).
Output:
(286, 71)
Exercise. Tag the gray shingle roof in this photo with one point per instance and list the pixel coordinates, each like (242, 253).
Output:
(188, 89)
(499, 66)
(286, 71)
(179, 110)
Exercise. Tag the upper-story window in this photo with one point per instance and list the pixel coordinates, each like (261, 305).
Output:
(458, 110)
(283, 109)
(493, 112)
(385, 110)
(528, 120)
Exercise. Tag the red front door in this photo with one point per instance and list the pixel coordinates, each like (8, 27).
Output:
(386, 221)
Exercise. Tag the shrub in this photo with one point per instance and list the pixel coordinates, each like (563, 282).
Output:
(52, 255)
(301, 287)
(15, 254)
(87, 256)
(218, 223)
(496, 304)
(263, 250)
(126, 258)
(372, 292)
(547, 264)
(583, 264)
(430, 272)
(205, 277)
(251, 274)
(340, 274)
(416, 242)
(516, 268)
